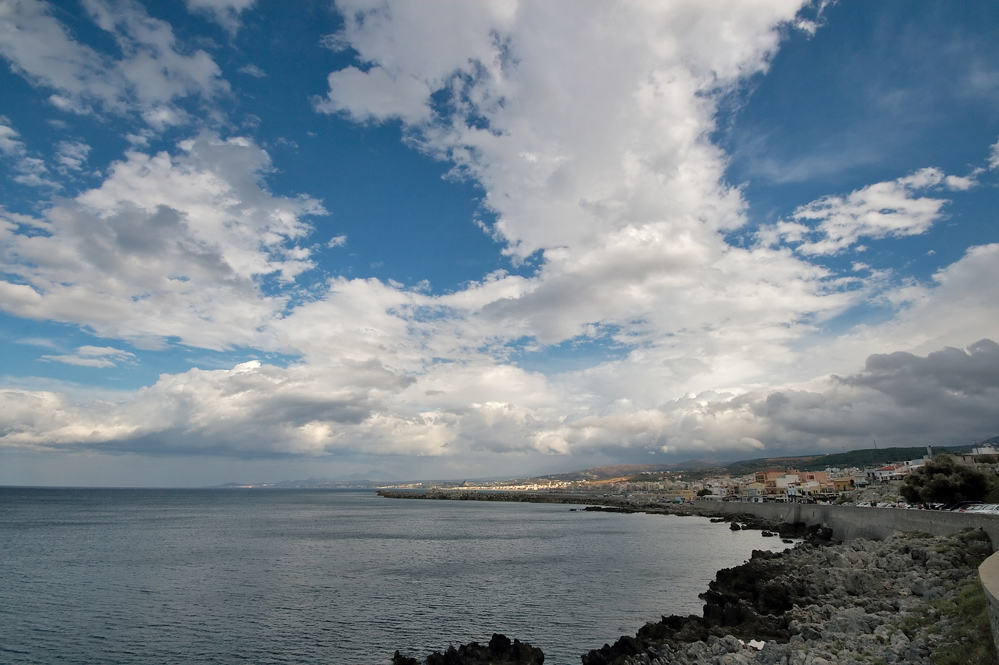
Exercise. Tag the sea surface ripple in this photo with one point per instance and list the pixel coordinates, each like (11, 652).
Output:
(321, 576)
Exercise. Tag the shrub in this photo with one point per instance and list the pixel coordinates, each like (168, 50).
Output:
(942, 480)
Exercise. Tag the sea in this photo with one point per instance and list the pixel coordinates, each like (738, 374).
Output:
(329, 576)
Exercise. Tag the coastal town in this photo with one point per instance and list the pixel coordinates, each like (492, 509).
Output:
(876, 485)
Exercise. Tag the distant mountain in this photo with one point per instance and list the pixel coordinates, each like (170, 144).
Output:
(372, 477)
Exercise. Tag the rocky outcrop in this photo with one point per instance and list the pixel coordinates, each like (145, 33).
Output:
(849, 603)
(499, 651)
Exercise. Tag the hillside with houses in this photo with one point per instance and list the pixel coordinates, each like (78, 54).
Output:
(798, 479)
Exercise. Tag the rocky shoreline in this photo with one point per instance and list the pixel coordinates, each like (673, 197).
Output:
(848, 603)
(821, 602)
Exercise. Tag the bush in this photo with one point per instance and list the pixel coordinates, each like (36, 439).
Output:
(941, 480)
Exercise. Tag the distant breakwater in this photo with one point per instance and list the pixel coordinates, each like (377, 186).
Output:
(620, 504)
(846, 522)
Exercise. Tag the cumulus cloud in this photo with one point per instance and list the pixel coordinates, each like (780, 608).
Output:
(598, 171)
(153, 71)
(887, 209)
(946, 397)
(607, 177)
(250, 409)
(901, 399)
(168, 245)
(376, 95)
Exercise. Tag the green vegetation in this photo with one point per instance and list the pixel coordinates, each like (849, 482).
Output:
(941, 480)
(966, 635)
(754, 465)
(855, 458)
(871, 457)
(969, 639)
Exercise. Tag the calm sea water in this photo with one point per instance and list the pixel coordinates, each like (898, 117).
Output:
(300, 576)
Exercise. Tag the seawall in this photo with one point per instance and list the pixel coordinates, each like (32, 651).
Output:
(850, 522)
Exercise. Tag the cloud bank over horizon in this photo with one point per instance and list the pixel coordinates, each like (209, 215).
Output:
(190, 272)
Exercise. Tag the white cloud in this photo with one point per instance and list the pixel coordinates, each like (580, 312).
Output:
(30, 170)
(9, 145)
(224, 12)
(994, 156)
(376, 95)
(335, 41)
(946, 397)
(93, 356)
(887, 209)
(959, 306)
(610, 175)
(154, 69)
(79, 361)
(598, 167)
(252, 70)
(962, 184)
(33, 173)
(72, 155)
(168, 245)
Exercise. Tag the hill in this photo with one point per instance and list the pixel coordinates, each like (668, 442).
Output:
(875, 457)
(620, 470)
(865, 457)
(862, 458)
(753, 465)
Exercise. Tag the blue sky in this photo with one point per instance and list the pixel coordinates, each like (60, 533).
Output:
(248, 241)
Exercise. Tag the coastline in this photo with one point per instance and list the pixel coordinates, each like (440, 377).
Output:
(540, 497)
(897, 600)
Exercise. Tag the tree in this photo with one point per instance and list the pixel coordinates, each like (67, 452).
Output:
(704, 492)
(942, 480)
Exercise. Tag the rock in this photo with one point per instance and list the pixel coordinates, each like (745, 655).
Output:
(499, 651)
(919, 587)
(819, 603)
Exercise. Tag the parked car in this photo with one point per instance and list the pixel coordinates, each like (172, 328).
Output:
(959, 506)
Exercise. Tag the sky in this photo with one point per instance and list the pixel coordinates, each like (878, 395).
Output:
(248, 241)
